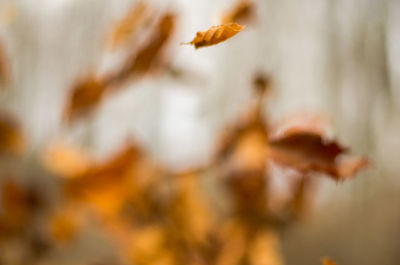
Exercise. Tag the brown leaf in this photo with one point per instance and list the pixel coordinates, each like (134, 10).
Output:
(349, 166)
(328, 261)
(12, 139)
(105, 185)
(190, 211)
(242, 12)
(66, 160)
(4, 67)
(306, 152)
(128, 24)
(84, 97)
(18, 204)
(64, 225)
(149, 57)
(265, 249)
(216, 34)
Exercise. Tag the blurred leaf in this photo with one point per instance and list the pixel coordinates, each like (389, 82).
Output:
(125, 28)
(85, 95)
(234, 241)
(149, 57)
(265, 249)
(5, 72)
(64, 225)
(309, 151)
(66, 160)
(12, 139)
(190, 210)
(328, 261)
(241, 13)
(215, 35)
(18, 205)
(105, 185)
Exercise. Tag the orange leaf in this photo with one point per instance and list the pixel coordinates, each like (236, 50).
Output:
(349, 166)
(65, 160)
(64, 225)
(328, 261)
(84, 97)
(128, 24)
(149, 57)
(4, 67)
(105, 185)
(308, 150)
(12, 139)
(18, 204)
(241, 13)
(216, 34)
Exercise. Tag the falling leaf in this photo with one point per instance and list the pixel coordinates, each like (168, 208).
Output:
(128, 24)
(12, 139)
(150, 55)
(18, 204)
(105, 185)
(64, 225)
(306, 151)
(310, 151)
(262, 84)
(328, 261)
(66, 160)
(234, 241)
(349, 166)
(84, 97)
(190, 211)
(241, 13)
(265, 249)
(4, 67)
(215, 35)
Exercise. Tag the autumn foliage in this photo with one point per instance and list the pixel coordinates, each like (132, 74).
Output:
(150, 213)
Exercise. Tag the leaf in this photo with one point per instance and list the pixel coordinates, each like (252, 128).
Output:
(233, 239)
(66, 160)
(4, 67)
(105, 185)
(262, 84)
(18, 205)
(85, 95)
(149, 57)
(328, 261)
(242, 12)
(216, 34)
(308, 150)
(128, 24)
(189, 210)
(64, 225)
(12, 139)
(265, 249)
(349, 166)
